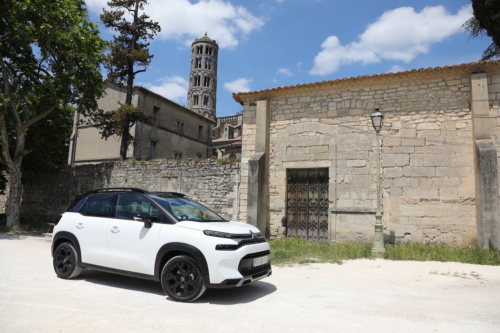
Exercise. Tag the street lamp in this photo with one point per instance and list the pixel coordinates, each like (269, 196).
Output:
(378, 249)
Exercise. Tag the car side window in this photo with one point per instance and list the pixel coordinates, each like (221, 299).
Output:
(129, 205)
(99, 205)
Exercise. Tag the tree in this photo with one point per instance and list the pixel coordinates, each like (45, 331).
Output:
(486, 21)
(50, 57)
(127, 50)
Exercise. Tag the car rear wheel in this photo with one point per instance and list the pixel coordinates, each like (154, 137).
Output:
(182, 280)
(66, 261)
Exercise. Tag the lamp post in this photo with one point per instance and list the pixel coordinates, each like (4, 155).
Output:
(378, 249)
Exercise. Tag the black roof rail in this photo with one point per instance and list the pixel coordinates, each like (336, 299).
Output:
(132, 189)
(172, 193)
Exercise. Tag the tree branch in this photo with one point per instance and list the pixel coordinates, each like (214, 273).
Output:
(7, 91)
(5, 143)
(142, 70)
(33, 120)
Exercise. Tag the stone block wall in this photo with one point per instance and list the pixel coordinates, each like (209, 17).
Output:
(428, 190)
(207, 182)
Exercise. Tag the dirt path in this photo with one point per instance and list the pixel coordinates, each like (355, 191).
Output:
(358, 296)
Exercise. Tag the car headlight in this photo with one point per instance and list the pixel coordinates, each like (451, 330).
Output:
(217, 234)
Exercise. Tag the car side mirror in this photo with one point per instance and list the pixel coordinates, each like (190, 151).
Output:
(143, 217)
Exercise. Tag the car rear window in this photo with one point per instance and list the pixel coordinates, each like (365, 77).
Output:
(99, 205)
(77, 204)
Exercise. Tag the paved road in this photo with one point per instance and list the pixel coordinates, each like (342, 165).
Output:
(358, 296)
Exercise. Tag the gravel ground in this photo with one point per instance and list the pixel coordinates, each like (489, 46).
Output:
(358, 296)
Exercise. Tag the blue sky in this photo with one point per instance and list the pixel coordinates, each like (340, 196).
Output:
(273, 43)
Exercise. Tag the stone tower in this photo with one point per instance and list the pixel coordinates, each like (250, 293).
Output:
(202, 93)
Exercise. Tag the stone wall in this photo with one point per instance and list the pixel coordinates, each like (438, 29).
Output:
(428, 189)
(209, 182)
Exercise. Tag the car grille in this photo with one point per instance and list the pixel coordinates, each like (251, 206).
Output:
(251, 241)
(245, 267)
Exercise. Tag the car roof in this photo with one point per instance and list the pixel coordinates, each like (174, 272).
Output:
(129, 190)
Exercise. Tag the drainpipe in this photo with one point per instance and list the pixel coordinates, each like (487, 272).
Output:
(74, 136)
(236, 210)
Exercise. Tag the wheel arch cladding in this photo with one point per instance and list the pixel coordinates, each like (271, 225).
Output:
(168, 251)
(64, 236)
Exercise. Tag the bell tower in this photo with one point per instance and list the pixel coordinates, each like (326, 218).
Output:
(202, 93)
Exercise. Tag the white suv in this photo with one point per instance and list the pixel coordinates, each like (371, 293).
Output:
(161, 236)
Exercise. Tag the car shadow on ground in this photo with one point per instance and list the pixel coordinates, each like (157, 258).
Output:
(18, 236)
(122, 282)
(246, 294)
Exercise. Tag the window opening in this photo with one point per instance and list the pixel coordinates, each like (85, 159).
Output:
(200, 132)
(156, 111)
(152, 148)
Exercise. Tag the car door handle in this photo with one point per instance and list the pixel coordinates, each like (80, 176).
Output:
(115, 229)
(80, 225)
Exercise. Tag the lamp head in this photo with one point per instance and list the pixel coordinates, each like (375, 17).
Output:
(377, 120)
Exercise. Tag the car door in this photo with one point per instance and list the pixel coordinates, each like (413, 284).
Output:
(131, 245)
(91, 228)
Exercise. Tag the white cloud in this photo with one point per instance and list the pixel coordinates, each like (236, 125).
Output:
(395, 69)
(238, 85)
(399, 34)
(174, 88)
(284, 71)
(184, 21)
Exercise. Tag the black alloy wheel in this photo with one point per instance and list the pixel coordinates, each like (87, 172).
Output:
(182, 280)
(66, 261)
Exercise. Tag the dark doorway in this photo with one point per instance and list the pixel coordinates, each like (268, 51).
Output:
(307, 203)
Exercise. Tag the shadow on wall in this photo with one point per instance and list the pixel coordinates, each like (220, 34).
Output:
(45, 196)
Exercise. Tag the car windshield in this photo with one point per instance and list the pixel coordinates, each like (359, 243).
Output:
(184, 209)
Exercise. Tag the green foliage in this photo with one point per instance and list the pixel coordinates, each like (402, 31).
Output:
(486, 21)
(299, 251)
(50, 57)
(441, 252)
(296, 250)
(117, 122)
(127, 50)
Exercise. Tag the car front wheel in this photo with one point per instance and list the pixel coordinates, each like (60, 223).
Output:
(182, 280)
(66, 261)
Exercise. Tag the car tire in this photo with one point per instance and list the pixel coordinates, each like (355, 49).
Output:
(182, 280)
(66, 261)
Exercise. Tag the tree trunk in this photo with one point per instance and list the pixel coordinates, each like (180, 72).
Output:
(123, 144)
(13, 206)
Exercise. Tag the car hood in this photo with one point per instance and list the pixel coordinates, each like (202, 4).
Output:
(231, 227)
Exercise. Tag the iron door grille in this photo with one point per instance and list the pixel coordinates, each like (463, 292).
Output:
(307, 203)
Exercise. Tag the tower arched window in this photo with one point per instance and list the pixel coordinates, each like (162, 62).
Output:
(206, 81)
(208, 63)
(196, 99)
(198, 62)
(206, 99)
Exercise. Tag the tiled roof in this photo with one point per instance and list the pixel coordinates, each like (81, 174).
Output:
(237, 96)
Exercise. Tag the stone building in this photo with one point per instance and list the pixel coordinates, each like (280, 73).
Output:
(226, 137)
(202, 93)
(308, 163)
(178, 133)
